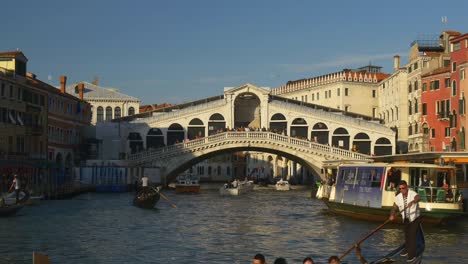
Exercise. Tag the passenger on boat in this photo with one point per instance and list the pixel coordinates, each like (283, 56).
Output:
(333, 260)
(235, 183)
(425, 182)
(258, 259)
(407, 202)
(308, 260)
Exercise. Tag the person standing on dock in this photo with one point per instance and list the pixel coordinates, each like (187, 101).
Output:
(407, 202)
(16, 184)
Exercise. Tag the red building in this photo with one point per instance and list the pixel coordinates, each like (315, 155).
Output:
(439, 118)
(458, 63)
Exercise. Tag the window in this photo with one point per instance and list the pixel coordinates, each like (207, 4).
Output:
(433, 134)
(415, 65)
(415, 106)
(108, 113)
(454, 88)
(424, 87)
(410, 88)
(346, 91)
(447, 82)
(373, 93)
(461, 105)
(416, 128)
(416, 85)
(338, 92)
(131, 111)
(346, 108)
(446, 63)
(454, 66)
(462, 74)
(117, 112)
(11, 91)
(435, 85)
(374, 111)
(100, 114)
(410, 130)
(447, 132)
(318, 96)
(410, 108)
(456, 46)
(313, 97)
(424, 109)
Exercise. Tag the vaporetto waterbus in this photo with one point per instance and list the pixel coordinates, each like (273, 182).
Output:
(367, 190)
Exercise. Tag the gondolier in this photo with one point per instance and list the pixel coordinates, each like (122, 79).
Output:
(407, 202)
(16, 185)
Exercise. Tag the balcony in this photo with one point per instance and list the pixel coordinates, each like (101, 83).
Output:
(443, 116)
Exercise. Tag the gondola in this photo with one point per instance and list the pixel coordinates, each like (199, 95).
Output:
(147, 199)
(394, 256)
(9, 210)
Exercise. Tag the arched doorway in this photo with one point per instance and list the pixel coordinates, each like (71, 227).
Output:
(175, 134)
(362, 143)
(340, 138)
(247, 111)
(278, 124)
(383, 146)
(320, 133)
(154, 138)
(135, 142)
(216, 124)
(196, 129)
(299, 128)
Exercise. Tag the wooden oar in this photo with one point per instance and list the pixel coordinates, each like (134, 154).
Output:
(167, 199)
(371, 233)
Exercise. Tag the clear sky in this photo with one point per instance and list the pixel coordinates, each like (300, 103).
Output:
(177, 51)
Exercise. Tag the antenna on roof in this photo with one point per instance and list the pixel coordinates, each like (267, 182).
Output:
(444, 22)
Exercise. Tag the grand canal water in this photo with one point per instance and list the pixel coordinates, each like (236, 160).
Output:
(204, 228)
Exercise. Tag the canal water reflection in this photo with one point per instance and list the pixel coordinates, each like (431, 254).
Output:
(204, 228)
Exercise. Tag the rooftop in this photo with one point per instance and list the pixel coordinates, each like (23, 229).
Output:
(94, 92)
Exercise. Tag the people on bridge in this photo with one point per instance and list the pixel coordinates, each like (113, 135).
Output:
(308, 260)
(280, 261)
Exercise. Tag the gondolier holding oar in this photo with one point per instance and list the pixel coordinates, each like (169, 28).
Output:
(407, 202)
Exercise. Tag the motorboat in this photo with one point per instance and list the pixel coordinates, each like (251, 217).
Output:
(282, 185)
(367, 190)
(237, 188)
(187, 184)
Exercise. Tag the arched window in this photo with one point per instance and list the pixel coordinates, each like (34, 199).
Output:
(415, 106)
(100, 114)
(454, 88)
(410, 108)
(117, 112)
(131, 111)
(108, 113)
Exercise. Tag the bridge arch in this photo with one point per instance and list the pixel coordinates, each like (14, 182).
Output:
(382, 147)
(247, 110)
(216, 123)
(154, 138)
(196, 129)
(299, 128)
(363, 143)
(175, 134)
(340, 138)
(278, 123)
(320, 133)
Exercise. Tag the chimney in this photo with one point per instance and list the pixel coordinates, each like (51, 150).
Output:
(81, 90)
(396, 63)
(96, 81)
(63, 83)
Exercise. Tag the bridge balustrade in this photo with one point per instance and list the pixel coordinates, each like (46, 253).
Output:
(268, 136)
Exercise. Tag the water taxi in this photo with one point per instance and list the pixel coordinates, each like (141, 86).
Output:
(367, 190)
(237, 188)
(187, 184)
(282, 185)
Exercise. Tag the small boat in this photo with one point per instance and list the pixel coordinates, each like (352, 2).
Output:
(241, 188)
(394, 255)
(367, 190)
(282, 185)
(24, 198)
(9, 210)
(147, 199)
(187, 184)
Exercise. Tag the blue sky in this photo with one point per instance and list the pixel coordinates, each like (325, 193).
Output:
(177, 51)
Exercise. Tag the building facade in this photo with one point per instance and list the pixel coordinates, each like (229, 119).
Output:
(106, 103)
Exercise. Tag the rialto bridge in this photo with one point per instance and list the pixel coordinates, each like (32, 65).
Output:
(180, 136)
